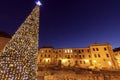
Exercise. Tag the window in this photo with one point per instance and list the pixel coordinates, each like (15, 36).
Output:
(80, 62)
(95, 55)
(76, 62)
(59, 50)
(40, 60)
(75, 56)
(84, 62)
(45, 55)
(89, 56)
(57, 56)
(99, 55)
(56, 52)
(93, 49)
(45, 50)
(80, 56)
(83, 56)
(65, 56)
(88, 50)
(107, 55)
(97, 49)
(79, 51)
(68, 56)
(74, 50)
(42, 51)
(41, 55)
(105, 49)
(48, 55)
(82, 50)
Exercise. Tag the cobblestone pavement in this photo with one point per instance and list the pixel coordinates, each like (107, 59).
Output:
(76, 74)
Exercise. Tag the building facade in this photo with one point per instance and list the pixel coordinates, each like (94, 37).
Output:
(4, 38)
(96, 56)
(117, 57)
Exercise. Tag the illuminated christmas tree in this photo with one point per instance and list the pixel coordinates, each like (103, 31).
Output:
(18, 59)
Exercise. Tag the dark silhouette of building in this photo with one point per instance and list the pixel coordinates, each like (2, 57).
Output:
(4, 38)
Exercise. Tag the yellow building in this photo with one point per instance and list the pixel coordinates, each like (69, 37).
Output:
(117, 57)
(99, 56)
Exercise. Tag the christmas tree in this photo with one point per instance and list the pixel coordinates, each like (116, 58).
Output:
(18, 59)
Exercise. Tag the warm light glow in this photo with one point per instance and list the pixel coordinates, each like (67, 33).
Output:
(47, 60)
(65, 51)
(94, 61)
(68, 51)
(64, 60)
(38, 3)
(109, 63)
(86, 60)
(42, 51)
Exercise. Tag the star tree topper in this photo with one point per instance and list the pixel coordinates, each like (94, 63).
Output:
(38, 3)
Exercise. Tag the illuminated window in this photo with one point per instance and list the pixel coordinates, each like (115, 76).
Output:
(109, 63)
(68, 51)
(65, 51)
(42, 51)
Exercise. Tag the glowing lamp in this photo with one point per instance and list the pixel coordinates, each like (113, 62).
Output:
(94, 61)
(109, 63)
(64, 60)
(87, 60)
(47, 60)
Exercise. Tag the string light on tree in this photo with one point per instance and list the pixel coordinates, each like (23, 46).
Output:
(18, 59)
